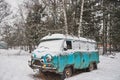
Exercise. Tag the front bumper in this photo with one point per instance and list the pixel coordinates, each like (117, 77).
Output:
(42, 68)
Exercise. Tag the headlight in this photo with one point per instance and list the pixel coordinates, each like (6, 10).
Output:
(48, 58)
(42, 61)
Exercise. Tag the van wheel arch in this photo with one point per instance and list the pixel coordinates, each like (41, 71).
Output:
(90, 67)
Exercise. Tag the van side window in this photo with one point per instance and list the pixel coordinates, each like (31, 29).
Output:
(69, 44)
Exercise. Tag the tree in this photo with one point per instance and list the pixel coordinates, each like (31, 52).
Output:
(91, 19)
(81, 15)
(115, 28)
(65, 17)
(52, 16)
(109, 9)
(34, 24)
(4, 10)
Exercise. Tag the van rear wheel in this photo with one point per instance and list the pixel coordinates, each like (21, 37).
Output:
(95, 65)
(91, 67)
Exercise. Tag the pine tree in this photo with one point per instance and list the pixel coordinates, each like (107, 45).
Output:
(4, 10)
(34, 25)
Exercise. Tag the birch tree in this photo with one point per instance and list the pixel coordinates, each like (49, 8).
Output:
(81, 15)
(65, 17)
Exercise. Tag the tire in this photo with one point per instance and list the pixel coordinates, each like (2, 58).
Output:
(91, 67)
(95, 65)
(67, 73)
(41, 72)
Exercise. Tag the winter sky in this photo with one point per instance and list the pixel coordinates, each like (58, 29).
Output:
(14, 4)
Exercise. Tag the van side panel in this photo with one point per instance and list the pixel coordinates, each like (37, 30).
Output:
(62, 62)
(79, 60)
(55, 61)
(70, 59)
(94, 57)
(65, 61)
(85, 60)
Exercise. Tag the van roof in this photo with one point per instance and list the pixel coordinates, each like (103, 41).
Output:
(62, 36)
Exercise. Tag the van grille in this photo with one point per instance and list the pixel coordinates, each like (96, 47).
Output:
(37, 62)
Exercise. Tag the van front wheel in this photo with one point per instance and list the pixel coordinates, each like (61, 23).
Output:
(67, 73)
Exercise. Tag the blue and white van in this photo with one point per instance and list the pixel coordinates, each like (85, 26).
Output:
(63, 54)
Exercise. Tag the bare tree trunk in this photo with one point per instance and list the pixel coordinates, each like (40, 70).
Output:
(110, 35)
(65, 17)
(104, 29)
(81, 15)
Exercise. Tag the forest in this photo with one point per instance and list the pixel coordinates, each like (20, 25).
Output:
(33, 19)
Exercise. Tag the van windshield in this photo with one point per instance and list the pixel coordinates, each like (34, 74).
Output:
(52, 45)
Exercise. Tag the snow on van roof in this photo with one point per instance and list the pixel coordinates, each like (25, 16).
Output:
(62, 36)
(53, 36)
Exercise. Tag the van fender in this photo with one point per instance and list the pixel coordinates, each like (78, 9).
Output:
(71, 66)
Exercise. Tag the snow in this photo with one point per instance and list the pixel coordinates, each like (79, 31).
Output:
(53, 36)
(54, 45)
(13, 52)
(15, 67)
(62, 36)
(39, 53)
(14, 3)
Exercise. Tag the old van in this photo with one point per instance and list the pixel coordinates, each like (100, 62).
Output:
(63, 54)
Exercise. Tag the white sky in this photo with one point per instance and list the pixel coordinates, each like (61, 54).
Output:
(14, 4)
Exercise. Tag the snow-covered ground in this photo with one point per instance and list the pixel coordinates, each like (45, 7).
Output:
(15, 67)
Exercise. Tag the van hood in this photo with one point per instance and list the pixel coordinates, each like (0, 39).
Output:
(38, 53)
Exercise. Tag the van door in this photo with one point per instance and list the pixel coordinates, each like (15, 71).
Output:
(84, 60)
